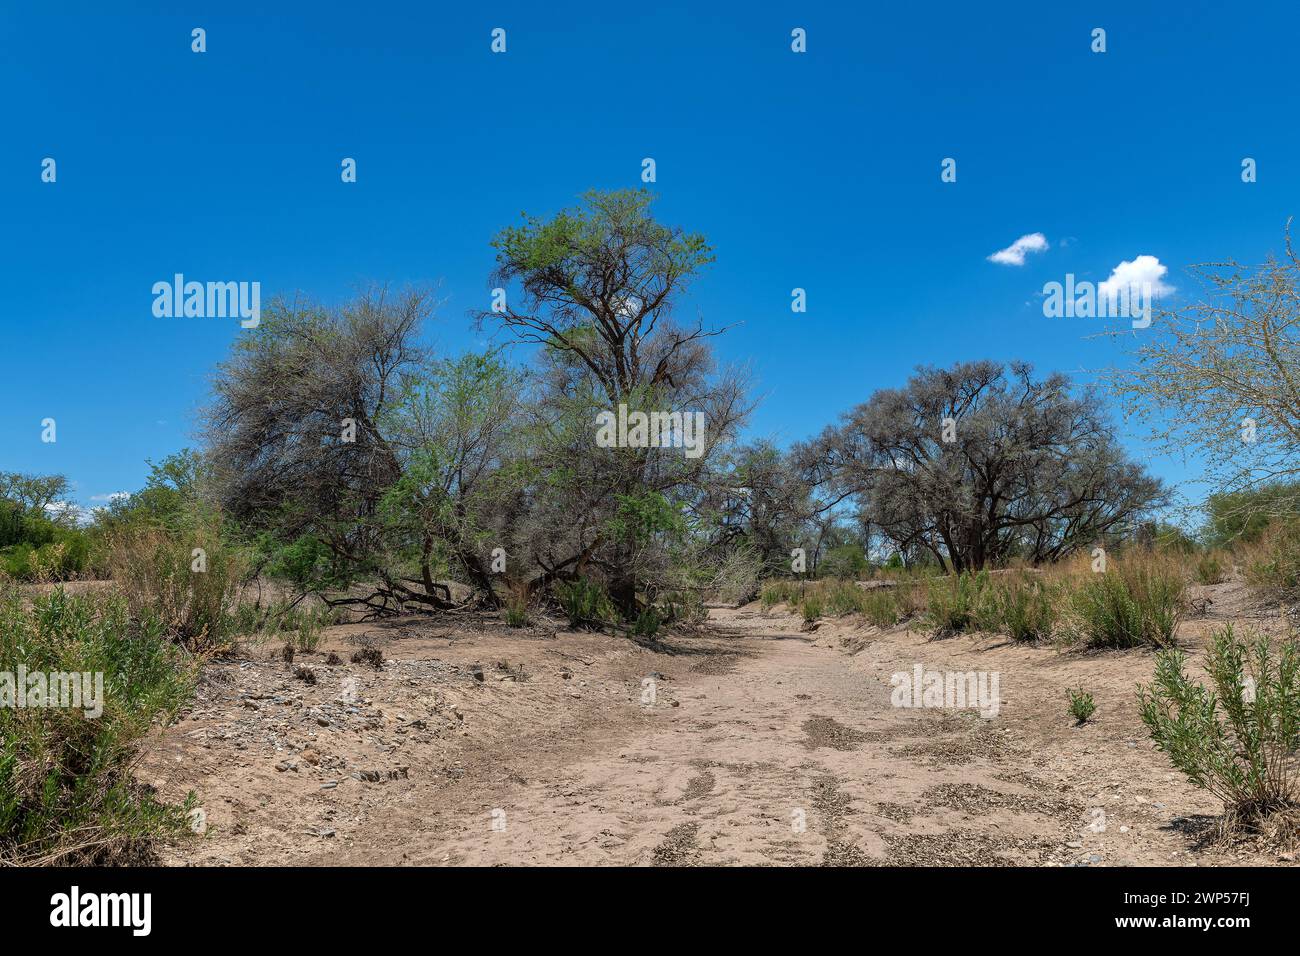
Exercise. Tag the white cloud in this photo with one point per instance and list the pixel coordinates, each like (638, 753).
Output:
(1143, 275)
(1014, 254)
(115, 496)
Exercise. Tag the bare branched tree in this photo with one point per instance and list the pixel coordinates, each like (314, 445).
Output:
(1220, 379)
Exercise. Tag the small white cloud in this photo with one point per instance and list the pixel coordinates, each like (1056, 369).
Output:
(1143, 275)
(1014, 254)
(114, 496)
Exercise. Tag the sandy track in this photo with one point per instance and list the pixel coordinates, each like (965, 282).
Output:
(764, 745)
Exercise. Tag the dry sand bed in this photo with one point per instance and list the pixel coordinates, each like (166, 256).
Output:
(764, 744)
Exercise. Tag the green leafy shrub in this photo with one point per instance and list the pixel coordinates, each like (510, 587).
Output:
(1135, 603)
(1082, 706)
(1238, 737)
(35, 549)
(647, 623)
(585, 602)
(67, 794)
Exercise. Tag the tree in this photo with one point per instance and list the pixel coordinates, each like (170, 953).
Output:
(1220, 379)
(597, 288)
(45, 496)
(980, 463)
(302, 432)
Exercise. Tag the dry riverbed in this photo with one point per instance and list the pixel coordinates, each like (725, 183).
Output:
(751, 741)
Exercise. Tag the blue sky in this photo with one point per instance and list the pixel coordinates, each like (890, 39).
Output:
(819, 171)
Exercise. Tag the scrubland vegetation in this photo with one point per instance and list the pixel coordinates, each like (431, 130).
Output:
(346, 469)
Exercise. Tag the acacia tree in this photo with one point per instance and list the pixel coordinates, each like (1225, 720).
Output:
(1220, 379)
(981, 462)
(596, 288)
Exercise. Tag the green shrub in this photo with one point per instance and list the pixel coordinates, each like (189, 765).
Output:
(1135, 603)
(67, 794)
(1024, 608)
(517, 611)
(647, 623)
(955, 603)
(159, 572)
(1272, 565)
(841, 597)
(1237, 738)
(1082, 706)
(61, 555)
(585, 602)
(1210, 568)
(812, 608)
(880, 606)
(781, 591)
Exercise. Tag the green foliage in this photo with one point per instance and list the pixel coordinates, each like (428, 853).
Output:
(1241, 517)
(647, 623)
(67, 793)
(845, 561)
(1272, 563)
(954, 603)
(585, 602)
(1082, 706)
(35, 548)
(882, 608)
(1135, 603)
(1022, 607)
(1210, 568)
(558, 251)
(517, 610)
(1238, 737)
(781, 591)
(187, 579)
(645, 515)
(171, 497)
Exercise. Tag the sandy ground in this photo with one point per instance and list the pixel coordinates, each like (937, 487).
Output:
(752, 742)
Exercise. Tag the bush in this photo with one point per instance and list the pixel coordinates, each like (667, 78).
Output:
(880, 606)
(647, 624)
(1135, 603)
(1082, 706)
(1272, 566)
(954, 603)
(517, 610)
(585, 602)
(66, 790)
(158, 571)
(1023, 607)
(1238, 738)
(1210, 568)
(812, 608)
(781, 591)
